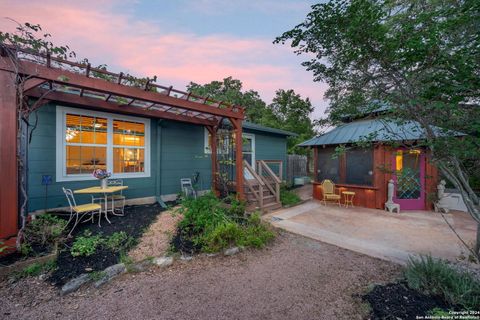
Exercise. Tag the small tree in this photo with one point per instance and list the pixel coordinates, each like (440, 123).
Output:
(421, 58)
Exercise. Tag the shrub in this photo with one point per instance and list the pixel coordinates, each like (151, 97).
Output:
(44, 231)
(211, 225)
(436, 277)
(288, 198)
(36, 269)
(85, 245)
(118, 241)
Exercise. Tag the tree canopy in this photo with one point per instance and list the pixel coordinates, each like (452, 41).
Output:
(421, 58)
(288, 110)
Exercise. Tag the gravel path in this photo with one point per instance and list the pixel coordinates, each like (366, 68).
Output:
(295, 278)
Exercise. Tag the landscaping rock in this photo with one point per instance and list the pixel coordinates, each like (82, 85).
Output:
(186, 258)
(231, 251)
(110, 273)
(74, 284)
(141, 266)
(163, 261)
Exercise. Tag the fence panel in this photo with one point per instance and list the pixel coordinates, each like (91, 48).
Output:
(296, 166)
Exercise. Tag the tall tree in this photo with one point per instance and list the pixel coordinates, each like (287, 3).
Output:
(288, 110)
(292, 113)
(422, 58)
(230, 90)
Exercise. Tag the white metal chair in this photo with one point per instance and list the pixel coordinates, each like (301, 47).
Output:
(187, 188)
(117, 197)
(80, 211)
(113, 198)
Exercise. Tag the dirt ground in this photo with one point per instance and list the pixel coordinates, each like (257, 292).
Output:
(156, 240)
(294, 278)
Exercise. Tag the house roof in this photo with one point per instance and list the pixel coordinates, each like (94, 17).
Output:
(370, 130)
(257, 127)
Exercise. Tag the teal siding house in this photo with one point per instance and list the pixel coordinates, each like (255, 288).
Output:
(151, 155)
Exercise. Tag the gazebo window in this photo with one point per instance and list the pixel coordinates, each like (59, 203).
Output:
(328, 165)
(354, 167)
(359, 167)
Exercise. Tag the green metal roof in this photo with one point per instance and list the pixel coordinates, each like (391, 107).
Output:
(370, 130)
(254, 126)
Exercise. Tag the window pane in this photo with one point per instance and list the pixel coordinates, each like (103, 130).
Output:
(84, 129)
(359, 163)
(72, 133)
(82, 160)
(247, 145)
(328, 167)
(128, 133)
(87, 127)
(128, 160)
(248, 157)
(100, 131)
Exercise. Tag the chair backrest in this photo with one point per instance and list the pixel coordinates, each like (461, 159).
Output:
(186, 183)
(115, 182)
(70, 197)
(328, 186)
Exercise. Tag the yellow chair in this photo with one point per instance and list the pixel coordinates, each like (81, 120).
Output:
(77, 212)
(330, 192)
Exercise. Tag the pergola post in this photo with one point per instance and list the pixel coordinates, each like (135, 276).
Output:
(8, 157)
(237, 125)
(213, 146)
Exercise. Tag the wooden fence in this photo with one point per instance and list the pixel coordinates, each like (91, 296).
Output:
(296, 167)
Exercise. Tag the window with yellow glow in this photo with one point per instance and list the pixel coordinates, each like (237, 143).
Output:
(86, 144)
(129, 144)
(88, 140)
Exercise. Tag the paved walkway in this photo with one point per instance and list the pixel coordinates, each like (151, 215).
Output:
(377, 233)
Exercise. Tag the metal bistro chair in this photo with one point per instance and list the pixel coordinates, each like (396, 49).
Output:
(187, 188)
(83, 209)
(113, 198)
(330, 192)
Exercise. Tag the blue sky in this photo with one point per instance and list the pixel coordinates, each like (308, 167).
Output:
(181, 41)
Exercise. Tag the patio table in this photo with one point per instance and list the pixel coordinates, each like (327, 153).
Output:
(108, 190)
(349, 195)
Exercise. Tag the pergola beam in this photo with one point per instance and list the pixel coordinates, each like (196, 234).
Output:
(72, 79)
(102, 105)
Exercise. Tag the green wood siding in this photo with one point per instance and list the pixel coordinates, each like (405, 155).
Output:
(270, 147)
(176, 151)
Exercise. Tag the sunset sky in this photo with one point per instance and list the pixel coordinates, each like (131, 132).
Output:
(180, 41)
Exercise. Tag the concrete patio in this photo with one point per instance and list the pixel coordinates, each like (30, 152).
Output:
(377, 233)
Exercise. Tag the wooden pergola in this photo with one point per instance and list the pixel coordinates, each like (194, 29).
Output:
(53, 79)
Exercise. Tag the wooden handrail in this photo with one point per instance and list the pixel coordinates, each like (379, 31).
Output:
(254, 174)
(270, 172)
(280, 166)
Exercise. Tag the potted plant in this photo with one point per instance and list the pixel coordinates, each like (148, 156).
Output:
(102, 175)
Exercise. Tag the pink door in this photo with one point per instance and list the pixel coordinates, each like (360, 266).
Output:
(409, 178)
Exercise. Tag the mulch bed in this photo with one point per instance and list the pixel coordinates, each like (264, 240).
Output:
(136, 220)
(397, 301)
(181, 241)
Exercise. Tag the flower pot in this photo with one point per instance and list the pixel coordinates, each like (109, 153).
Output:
(103, 183)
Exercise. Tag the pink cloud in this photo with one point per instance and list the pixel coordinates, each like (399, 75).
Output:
(142, 48)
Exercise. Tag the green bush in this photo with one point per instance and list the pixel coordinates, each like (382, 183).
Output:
(214, 225)
(288, 198)
(436, 277)
(44, 231)
(85, 245)
(36, 269)
(118, 241)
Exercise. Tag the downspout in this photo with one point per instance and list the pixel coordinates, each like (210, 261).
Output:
(158, 184)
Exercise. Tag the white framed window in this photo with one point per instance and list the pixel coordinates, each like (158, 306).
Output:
(223, 145)
(89, 140)
(248, 148)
